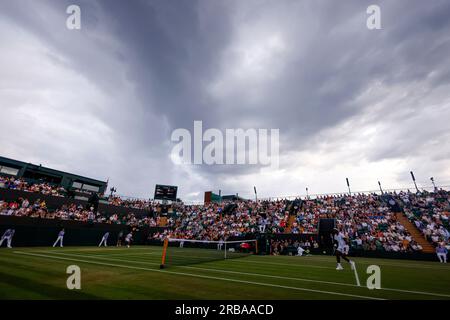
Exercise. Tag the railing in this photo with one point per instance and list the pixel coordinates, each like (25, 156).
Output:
(317, 195)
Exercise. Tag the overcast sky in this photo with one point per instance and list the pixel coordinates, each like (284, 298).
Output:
(103, 101)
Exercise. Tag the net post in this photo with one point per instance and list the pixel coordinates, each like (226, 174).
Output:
(225, 249)
(256, 246)
(163, 258)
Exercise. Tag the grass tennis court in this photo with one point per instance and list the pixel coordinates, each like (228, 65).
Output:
(122, 273)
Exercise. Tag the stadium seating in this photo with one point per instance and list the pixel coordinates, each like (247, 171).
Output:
(429, 212)
(372, 222)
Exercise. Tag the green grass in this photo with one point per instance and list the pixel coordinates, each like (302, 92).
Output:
(121, 273)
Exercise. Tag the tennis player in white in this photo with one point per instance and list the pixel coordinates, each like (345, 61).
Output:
(341, 249)
(104, 240)
(220, 244)
(128, 239)
(300, 251)
(8, 237)
(59, 239)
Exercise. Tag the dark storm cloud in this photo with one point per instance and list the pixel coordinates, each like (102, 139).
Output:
(131, 121)
(171, 49)
(188, 60)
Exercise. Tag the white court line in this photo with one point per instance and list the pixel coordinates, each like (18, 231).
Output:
(201, 276)
(265, 275)
(131, 253)
(104, 255)
(108, 255)
(281, 264)
(147, 262)
(362, 260)
(235, 260)
(356, 275)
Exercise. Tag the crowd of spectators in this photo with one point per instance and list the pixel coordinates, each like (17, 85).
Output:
(371, 225)
(49, 189)
(219, 221)
(368, 220)
(430, 212)
(41, 187)
(130, 203)
(38, 209)
(290, 247)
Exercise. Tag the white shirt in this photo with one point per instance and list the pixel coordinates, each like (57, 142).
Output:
(340, 238)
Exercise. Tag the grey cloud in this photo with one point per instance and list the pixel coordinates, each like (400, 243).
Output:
(160, 58)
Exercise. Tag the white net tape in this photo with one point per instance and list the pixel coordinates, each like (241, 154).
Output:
(209, 241)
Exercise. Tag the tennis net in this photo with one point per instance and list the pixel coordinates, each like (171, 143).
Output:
(184, 252)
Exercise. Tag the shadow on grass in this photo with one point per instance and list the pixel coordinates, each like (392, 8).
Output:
(45, 290)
